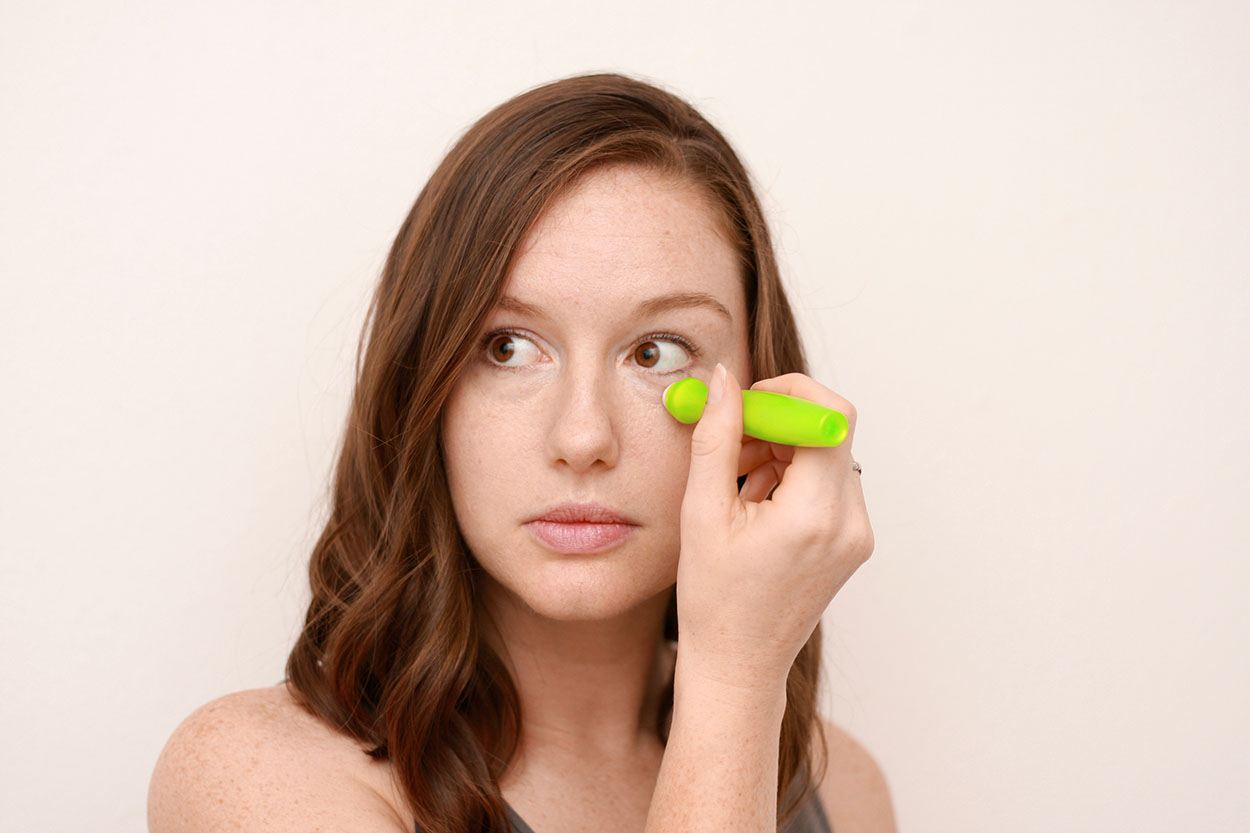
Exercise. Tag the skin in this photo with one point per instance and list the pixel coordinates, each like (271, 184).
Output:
(574, 413)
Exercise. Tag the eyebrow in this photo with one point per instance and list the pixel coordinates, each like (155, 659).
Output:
(651, 306)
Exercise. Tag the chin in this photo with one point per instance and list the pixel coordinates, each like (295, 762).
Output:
(581, 591)
(571, 601)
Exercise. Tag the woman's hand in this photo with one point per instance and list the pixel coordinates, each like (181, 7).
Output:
(756, 574)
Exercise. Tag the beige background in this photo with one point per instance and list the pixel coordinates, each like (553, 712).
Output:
(1017, 236)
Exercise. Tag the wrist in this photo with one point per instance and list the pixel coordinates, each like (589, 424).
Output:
(699, 681)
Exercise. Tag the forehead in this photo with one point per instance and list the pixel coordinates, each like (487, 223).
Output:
(622, 235)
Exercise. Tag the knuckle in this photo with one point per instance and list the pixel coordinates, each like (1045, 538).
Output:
(704, 444)
(850, 412)
(812, 533)
(786, 381)
(861, 541)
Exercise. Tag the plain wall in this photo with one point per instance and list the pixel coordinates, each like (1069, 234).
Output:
(1016, 236)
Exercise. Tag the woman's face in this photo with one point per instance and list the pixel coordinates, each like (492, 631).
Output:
(567, 405)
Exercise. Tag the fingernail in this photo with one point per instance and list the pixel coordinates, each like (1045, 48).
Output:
(717, 388)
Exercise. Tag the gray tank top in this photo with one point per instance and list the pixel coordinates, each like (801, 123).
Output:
(810, 819)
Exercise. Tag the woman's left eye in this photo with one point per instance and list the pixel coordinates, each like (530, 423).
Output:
(648, 353)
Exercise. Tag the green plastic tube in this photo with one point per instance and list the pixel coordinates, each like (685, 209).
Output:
(774, 417)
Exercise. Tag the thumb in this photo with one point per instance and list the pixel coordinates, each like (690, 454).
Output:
(716, 445)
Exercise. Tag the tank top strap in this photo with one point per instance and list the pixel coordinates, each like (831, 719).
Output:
(811, 817)
(515, 821)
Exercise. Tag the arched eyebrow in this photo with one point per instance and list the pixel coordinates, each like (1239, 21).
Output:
(651, 306)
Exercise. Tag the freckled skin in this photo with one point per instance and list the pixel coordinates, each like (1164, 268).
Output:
(573, 413)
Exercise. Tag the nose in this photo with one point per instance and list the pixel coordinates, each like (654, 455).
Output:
(583, 428)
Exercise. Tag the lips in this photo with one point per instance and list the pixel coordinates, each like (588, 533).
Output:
(590, 513)
(580, 527)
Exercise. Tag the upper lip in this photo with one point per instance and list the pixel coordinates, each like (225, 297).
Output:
(588, 513)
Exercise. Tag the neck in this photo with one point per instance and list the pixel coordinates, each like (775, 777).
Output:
(589, 688)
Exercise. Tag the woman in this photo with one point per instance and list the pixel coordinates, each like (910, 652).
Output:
(520, 532)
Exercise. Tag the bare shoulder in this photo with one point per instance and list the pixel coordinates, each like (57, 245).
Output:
(256, 760)
(854, 791)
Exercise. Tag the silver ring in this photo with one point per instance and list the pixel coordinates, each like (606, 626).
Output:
(859, 469)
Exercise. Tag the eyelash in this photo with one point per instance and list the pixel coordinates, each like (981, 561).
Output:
(673, 337)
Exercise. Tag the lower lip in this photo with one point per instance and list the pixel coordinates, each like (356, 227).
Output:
(578, 538)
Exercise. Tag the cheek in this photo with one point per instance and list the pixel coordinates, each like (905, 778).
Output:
(481, 442)
(662, 447)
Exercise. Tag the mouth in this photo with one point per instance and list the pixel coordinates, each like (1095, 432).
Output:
(579, 537)
(581, 527)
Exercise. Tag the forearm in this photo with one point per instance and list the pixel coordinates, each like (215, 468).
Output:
(719, 773)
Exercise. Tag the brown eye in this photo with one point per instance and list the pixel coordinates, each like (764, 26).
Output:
(501, 348)
(650, 356)
(647, 354)
(505, 348)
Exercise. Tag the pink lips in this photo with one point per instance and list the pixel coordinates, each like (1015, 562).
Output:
(580, 528)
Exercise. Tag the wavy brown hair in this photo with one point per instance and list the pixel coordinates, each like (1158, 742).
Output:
(391, 650)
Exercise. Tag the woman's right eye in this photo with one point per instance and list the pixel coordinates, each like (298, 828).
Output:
(505, 345)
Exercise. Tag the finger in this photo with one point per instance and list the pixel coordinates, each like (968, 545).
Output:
(805, 387)
(715, 451)
(761, 481)
(757, 452)
(755, 489)
(814, 471)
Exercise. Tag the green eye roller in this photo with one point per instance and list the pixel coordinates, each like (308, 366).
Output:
(774, 417)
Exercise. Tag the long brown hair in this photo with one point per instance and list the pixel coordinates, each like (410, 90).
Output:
(390, 651)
